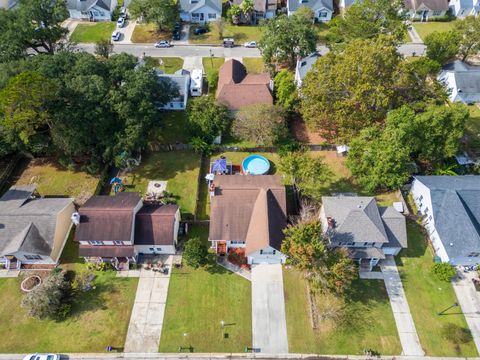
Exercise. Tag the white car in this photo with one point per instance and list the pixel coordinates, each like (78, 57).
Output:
(116, 35)
(250, 44)
(121, 22)
(42, 357)
(162, 44)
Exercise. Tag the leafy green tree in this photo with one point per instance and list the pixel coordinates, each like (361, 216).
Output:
(442, 46)
(286, 90)
(444, 271)
(234, 13)
(469, 31)
(247, 9)
(262, 124)
(306, 12)
(367, 19)
(103, 48)
(195, 252)
(163, 13)
(285, 38)
(207, 118)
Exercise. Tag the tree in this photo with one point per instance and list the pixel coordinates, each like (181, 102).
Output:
(164, 13)
(207, 118)
(103, 48)
(220, 27)
(308, 173)
(285, 38)
(234, 13)
(195, 253)
(367, 19)
(262, 124)
(286, 90)
(442, 46)
(444, 271)
(247, 9)
(306, 12)
(469, 31)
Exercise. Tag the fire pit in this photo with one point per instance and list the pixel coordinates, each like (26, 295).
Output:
(30, 283)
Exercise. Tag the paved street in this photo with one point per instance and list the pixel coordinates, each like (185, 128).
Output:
(469, 301)
(268, 309)
(401, 311)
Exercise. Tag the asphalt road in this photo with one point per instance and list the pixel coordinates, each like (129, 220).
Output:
(217, 51)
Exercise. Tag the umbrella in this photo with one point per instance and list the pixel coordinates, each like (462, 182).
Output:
(115, 180)
(220, 165)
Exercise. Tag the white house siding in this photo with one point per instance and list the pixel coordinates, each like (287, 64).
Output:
(267, 255)
(45, 260)
(424, 13)
(391, 250)
(462, 11)
(326, 12)
(157, 249)
(176, 226)
(205, 10)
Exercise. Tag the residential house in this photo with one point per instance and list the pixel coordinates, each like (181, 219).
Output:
(237, 89)
(462, 81)
(200, 11)
(368, 232)
(263, 9)
(33, 229)
(303, 67)
(322, 9)
(8, 4)
(345, 4)
(116, 229)
(464, 8)
(450, 206)
(91, 10)
(423, 10)
(179, 82)
(249, 212)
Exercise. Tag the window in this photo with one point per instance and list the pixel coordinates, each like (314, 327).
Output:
(274, 252)
(151, 249)
(33, 257)
(474, 254)
(426, 210)
(212, 16)
(118, 242)
(322, 14)
(195, 15)
(438, 13)
(159, 249)
(420, 198)
(261, 252)
(430, 217)
(236, 242)
(368, 244)
(94, 242)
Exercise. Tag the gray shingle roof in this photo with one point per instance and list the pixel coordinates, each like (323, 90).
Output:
(395, 227)
(189, 6)
(85, 5)
(304, 65)
(293, 5)
(366, 253)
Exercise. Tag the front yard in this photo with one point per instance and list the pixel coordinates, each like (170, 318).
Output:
(93, 32)
(198, 299)
(240, 33)
(148, 33)
(254, 65)
(169, 65)
(428, 296)
(368, 321)
(179, 168)
(425, 28)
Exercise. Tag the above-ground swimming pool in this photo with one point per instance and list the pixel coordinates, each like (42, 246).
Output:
(255, 165)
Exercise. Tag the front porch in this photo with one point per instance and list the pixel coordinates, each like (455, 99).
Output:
(10, 262)
(367, 257)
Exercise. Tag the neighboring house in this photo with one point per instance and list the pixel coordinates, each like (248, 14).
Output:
(116, 229)
(462, 81)
(463, 8)
(263, 9)
(249, 211)
(369, 232)
(237, 89)
(33, 229)
(450, 206)
(425, 9)
(180, 82)
(303, 67)
(91, 10)
(200, 11)
(323, 9)
(345, 4)
(8, 4)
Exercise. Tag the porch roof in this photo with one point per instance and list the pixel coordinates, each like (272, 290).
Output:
(366, 253)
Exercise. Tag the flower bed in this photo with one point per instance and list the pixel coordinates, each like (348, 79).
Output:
(237, 257)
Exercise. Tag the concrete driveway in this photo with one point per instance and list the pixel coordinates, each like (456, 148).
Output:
(268, 309)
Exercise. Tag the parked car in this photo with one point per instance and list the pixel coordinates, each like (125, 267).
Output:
(121, 22)
(228, 43)
(162, 44)
(42, 357)
(176, 35)
(178, 26)
(200, 31)
(123, 12)
(250, 44)
(116, 35)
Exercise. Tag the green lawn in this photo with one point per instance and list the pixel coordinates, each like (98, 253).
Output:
(93, 32)
(179, 168)
(427, 296)
(173, 128)
(425, 28)
(368, 324)
(322, 32)
(148, 33)
(198, 300)
(52, 179)
(210, 65)
(254, 65)
(168, 65)
(240, 33)
(472, 131)
(99, 318)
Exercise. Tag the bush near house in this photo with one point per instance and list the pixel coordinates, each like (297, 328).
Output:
(195, 253)
(443, 271)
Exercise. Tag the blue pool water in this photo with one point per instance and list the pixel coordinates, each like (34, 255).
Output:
(256, 165)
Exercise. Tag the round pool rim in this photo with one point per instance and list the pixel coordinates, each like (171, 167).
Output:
(253, 156)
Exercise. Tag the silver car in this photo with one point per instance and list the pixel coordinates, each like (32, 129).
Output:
(116, 35)
(42, 357)
(162, 44)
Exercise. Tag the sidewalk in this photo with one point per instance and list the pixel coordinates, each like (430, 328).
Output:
(414, 35)
(246, 274)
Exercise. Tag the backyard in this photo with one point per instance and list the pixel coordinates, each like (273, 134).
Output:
(253, 65)
(173, 128)
(472, 131)
(179, 168)
(240, 34)
(148, 33)
(367, 323)
(53, 179)
(198, 300)
(425, 28)
(427, 296)
(93, 32)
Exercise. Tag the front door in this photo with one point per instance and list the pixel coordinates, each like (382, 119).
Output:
(202, 17)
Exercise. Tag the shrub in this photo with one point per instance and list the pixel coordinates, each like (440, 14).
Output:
(195, 253)
(443, 271)
(212, 80)
(83, 280)
(456, 334)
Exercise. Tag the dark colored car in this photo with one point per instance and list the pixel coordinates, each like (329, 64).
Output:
(200, 31)
(178, 26)
(176, 35)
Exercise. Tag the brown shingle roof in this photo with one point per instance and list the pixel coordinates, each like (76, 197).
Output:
(106, 251)
(248, 208)
(155, 225)
(237, 89)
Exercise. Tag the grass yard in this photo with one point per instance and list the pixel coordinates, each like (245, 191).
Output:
(198, 299)
(254, 65)
(179, 168)
(173, 128)
(322, 32)
(52, 179)
(240, 33)
(93, 32)
(472, 131)
(427, 296)
(168, 65)
(368, 324)
(211, 65)
(99, 318)
(425, 28)
(148, 33)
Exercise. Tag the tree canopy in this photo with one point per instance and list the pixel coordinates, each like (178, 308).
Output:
(207, 118)
(442, 46)
(163, 13)
(286, 89)
(469, 32)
